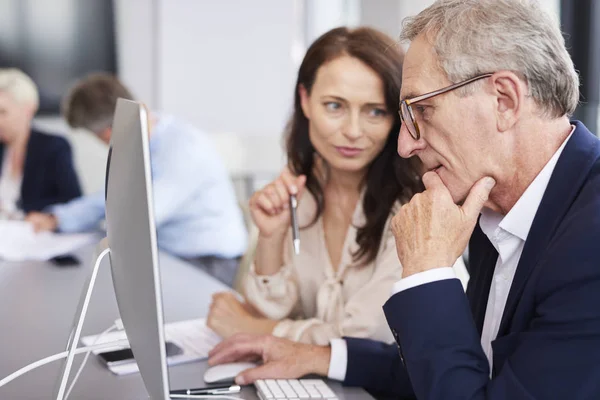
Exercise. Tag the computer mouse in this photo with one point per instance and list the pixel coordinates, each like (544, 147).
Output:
(226, 372)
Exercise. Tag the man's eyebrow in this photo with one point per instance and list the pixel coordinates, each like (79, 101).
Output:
(409, 95)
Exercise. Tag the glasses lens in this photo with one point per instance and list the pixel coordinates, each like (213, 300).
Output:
(407, 119)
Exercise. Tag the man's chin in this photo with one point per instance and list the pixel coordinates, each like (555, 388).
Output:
(458, 196)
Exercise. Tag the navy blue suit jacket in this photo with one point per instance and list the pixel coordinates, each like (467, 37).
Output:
(548, 345)
(48, 176)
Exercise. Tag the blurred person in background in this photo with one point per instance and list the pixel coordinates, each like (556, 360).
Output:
(36, 169)
(196, 212)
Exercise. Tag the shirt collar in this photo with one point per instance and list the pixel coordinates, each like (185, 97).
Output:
(519, 219)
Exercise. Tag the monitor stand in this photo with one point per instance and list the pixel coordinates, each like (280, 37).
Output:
(101, 251)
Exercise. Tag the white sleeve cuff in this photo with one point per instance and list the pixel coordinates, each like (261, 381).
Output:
(339, 360)
(433, 275)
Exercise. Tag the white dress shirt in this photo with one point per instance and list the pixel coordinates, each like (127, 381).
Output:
(508, 235)
(10, 187)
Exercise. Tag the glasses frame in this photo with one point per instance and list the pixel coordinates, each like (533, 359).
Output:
(406, 111)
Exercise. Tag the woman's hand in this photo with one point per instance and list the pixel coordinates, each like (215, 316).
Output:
(228, 316)
(269, 206)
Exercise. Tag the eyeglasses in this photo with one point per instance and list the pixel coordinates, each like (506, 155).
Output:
(406, 113)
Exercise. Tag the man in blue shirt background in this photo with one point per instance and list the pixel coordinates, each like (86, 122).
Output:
(196, 211)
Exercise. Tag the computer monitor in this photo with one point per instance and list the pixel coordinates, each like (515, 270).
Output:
(132, 247)
(131, 234)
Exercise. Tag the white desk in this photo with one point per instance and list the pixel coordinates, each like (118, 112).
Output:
(38, 302)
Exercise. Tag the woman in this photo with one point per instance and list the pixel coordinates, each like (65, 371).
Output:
(36, 169)
(349, 181)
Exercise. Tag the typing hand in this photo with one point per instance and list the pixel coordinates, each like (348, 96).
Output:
(431, 231)
(282, 359)
(269, 206)
(42, 222)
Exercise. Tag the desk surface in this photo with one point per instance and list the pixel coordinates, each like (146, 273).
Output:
(38, 305)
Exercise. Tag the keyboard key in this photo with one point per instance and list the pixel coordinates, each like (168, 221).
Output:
(298, 388)
(274, 388)
(312, 382)
(293, 389)
(262, 387)
(326, 392)
(287, 389)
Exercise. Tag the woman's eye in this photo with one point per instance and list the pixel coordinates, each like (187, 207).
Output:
(333, 105)
(378, 112)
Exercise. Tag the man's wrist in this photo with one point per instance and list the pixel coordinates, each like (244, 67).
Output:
(320, 356)
(416, 267)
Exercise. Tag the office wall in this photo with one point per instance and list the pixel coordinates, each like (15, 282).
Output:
(227, 65)
(136, 32)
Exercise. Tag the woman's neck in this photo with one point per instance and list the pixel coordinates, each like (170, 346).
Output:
(342, 191)
(348, 182)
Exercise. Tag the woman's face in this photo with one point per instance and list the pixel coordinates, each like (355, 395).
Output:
(348, 119)
(15, 118)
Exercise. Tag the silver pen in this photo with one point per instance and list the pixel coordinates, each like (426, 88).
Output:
(214, 391)
(295, 230)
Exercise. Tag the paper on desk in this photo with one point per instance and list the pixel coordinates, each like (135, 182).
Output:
(18, 242)
(192, 336)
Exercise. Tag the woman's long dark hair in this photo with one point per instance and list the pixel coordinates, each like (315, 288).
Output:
(389, 177)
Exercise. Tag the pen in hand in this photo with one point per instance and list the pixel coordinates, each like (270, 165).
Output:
(295, 230)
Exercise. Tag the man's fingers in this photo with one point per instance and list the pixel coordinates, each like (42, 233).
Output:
(432, 180)
(235, 348)
(479, 194)
(224, 344)
(266, 371)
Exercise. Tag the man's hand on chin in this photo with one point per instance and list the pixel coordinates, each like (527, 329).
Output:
(431, 231)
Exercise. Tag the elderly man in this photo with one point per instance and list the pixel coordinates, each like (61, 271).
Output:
(487, 91)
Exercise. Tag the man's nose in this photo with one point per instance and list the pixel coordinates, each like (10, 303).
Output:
(407, 145)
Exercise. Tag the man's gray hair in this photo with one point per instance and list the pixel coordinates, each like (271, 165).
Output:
(472, 37)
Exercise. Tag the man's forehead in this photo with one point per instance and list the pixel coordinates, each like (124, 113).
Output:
(420, 72)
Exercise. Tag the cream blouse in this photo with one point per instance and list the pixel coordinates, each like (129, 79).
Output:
(315, 303)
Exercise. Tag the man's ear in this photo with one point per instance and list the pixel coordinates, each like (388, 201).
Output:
(510, 94)
(304, 100)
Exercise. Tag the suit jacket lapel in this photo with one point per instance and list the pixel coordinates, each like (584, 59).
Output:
(569, 175)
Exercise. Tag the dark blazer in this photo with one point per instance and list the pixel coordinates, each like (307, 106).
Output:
(548, 345)
(48, 176)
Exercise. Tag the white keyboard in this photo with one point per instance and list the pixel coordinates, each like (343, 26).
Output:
(272, 389)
